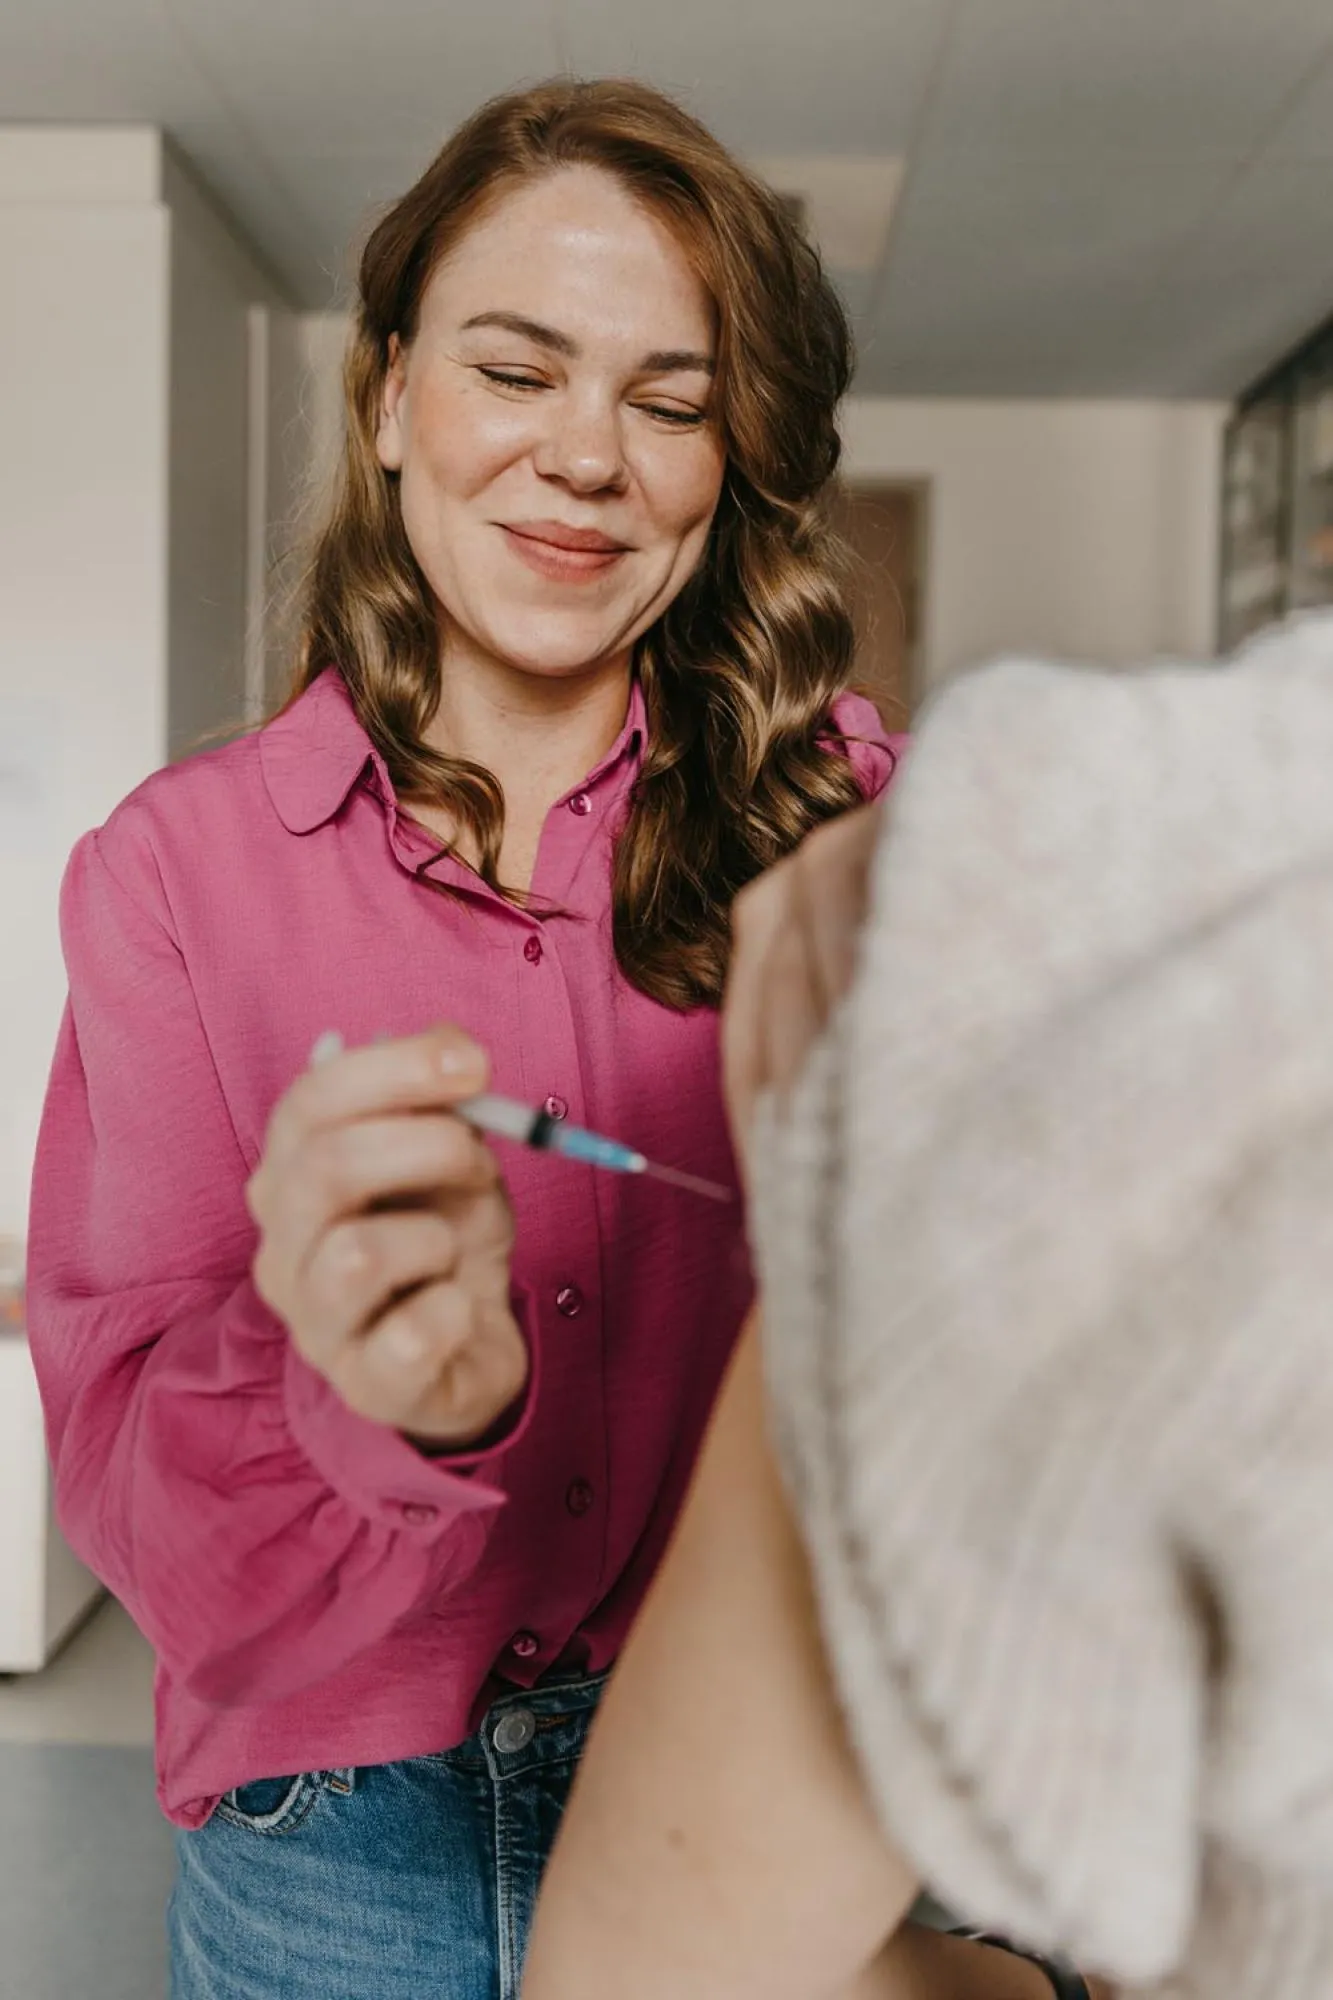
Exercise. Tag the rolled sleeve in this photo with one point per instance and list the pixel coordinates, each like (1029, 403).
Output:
(259, 1532)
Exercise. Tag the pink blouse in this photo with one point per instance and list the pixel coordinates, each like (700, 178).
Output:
(320, 1595)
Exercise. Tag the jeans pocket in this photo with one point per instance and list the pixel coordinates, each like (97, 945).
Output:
(271, 1805)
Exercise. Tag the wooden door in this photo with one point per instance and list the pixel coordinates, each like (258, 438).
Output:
(884, 525)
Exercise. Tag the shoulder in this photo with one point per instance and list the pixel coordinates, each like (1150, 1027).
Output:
(193, 821)
(874, 752)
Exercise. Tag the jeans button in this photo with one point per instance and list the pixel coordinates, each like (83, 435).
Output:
(514, 1731)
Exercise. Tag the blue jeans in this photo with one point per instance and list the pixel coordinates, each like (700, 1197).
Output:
(408, 1881)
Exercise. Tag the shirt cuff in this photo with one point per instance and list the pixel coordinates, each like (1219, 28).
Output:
(376, 1470)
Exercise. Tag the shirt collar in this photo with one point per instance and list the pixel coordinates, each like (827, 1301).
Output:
(316, 751)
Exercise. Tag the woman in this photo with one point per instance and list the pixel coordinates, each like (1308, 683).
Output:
(379, 1449)
(1044, 1239)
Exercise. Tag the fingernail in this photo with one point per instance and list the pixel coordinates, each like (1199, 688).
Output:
(456, 1062)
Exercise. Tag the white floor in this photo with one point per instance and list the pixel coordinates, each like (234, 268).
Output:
(85, 1853)
(99, 1689)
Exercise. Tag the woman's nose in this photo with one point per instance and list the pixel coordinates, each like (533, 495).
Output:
(582, 445)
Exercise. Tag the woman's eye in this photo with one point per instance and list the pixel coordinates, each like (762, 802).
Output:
(510, 381)
(684, 419)
(678, 419)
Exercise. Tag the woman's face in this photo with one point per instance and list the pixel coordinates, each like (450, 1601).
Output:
(552, 425)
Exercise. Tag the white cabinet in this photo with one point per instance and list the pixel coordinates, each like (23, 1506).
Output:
(44, 1589)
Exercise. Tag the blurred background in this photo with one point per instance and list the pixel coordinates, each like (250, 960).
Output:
(1088, 250)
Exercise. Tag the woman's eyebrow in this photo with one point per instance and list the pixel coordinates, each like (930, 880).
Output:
(663, 361)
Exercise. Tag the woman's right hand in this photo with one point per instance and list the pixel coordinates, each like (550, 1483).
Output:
(385, 1235)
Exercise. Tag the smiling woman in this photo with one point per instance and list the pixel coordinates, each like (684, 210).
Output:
(486, 408)
(379, 1437)
(586, 300)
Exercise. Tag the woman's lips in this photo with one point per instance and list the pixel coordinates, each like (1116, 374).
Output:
(563, 565)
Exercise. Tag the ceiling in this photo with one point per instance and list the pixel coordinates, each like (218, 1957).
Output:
(1100, 197)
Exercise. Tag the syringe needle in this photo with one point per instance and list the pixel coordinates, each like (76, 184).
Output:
(692, 1183)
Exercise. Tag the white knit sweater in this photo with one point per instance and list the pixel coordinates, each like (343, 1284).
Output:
(1047, 1253)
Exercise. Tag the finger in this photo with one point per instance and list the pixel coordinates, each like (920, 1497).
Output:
(343, 1170)
(415, 1073)
(757, 919)
(832, 888)
(437, 1364)
(397, 1362)
(793, 1015)
(358, 1267)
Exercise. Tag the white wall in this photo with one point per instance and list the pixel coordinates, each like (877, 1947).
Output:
(323, 343)
(124, 539)
(237, 458)
(1086, 531)
(208, 491)
(82, 608)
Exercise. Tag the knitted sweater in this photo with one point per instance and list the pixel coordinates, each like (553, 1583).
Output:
(1046, 1241)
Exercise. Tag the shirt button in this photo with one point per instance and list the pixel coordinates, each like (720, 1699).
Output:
(420, 1512)
(532, 951)
(524, 1645)
(569, 1301)
(555, 1107)
(580, 805)
(514, 1731)
(579, 1498)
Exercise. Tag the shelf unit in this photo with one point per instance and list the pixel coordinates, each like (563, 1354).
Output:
(1277, 495)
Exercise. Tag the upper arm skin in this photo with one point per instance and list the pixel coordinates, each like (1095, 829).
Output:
(718, 1843)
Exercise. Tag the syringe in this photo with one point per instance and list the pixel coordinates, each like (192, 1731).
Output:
(507, 1118)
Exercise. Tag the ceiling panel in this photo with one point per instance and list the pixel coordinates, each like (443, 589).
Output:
(1255, 282)
(1040, 266)
(773, 76)
(1307, 131)
(348, 104)
(1051, 78)
(355, 79)
(62, 59)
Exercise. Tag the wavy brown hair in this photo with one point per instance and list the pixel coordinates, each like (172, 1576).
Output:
(740, 670)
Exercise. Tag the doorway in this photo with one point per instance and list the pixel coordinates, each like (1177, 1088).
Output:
(884, 523)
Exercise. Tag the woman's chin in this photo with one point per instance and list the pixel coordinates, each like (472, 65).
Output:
(556, 656)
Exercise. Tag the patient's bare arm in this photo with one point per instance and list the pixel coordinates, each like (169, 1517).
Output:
(718, 1845)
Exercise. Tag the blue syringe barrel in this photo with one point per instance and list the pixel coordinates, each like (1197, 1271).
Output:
(508, 1119)
(595, 1151)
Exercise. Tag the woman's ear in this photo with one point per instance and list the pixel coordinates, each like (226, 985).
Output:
(389, 435)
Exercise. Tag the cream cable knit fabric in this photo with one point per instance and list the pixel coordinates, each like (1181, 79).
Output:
(1047, 1252)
